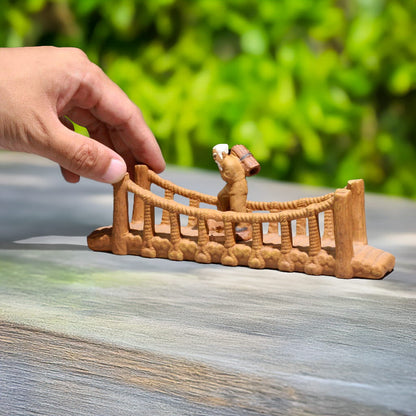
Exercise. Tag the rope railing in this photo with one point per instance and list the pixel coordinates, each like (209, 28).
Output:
(179, 190)
(307, 223)
(251, 205)
(173, 209)
(171, 205)
(282, 213)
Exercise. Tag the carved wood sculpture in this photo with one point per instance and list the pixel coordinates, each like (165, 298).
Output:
(234, 166)
(341, 250)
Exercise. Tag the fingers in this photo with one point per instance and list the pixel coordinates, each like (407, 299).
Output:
(69, 176)
(46, 83)
(81, 156)
(100, 132)
(107, 103)
(133, 140)
(138, 137)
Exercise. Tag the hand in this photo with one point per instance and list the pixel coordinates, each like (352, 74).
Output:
(41, 86)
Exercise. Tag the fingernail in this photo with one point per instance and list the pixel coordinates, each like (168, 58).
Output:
(115, 171)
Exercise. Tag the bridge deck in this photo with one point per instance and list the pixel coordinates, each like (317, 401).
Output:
(368, 262)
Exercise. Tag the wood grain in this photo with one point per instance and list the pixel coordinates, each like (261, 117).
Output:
(64, 362)
(86, 333)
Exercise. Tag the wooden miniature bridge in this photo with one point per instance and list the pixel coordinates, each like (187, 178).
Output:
(209, 235)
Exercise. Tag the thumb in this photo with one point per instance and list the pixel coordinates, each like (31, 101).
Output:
(82, 156)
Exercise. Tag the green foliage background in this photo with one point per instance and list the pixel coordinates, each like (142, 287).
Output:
(320, 91)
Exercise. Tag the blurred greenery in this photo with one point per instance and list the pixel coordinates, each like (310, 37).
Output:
(320, 91)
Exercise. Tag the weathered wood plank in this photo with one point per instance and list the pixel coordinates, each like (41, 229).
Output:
(85, 333)
(73, 370)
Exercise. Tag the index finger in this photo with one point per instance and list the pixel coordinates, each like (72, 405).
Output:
(109, 104)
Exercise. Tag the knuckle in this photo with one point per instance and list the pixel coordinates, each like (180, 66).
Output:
(95, 69)
(85, 158)
(76, 53)
(91, 74)
(77, 61)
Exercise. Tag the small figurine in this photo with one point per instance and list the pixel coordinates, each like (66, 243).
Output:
(232, 166)
(233, 196)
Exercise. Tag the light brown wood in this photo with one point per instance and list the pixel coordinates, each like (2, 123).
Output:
(250, 164)
(359, 228)
(121, 227)
(344, 228)
(142, 179)
(344, 250)
(89, 333)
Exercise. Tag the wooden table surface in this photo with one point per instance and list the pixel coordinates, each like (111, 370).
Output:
(89, 333)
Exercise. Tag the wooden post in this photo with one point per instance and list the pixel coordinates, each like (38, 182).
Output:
(166, 215)
(175, 252)
(314, 233)
(148, 231)
(286, 232)
(203, 236)
(202, 255)
(192, 221)
(141, 179)
(256, 260)
(120, 217)
(301, 222)
(358, 210)
(228, 258)
(344, 249)
(229, 234)
(328, 225)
